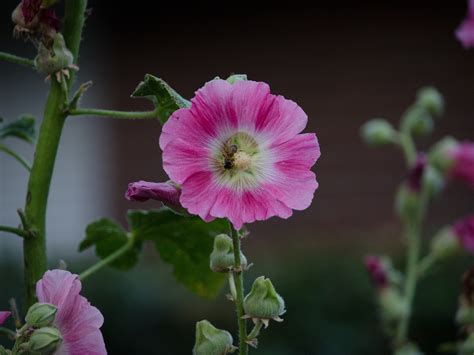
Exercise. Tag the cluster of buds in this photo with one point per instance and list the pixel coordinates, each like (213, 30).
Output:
(39, 335)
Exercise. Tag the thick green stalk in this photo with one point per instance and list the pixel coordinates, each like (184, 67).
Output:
(34, 249)
(239, 292)
(38, 188)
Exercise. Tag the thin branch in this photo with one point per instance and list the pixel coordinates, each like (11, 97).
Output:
(113, 113)
(17, 157)
(19, 232)
(17, 60)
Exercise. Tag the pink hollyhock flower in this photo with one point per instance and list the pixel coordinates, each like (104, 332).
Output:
(237, 153)
(465, 32)
(3, 316)
(464, 230)
(78, 321)
(463, 162)
(376, 270)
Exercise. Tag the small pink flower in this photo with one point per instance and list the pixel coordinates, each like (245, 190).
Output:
(463, 162)
(464, 230)
(78, 321)
(167, 193)
(237, 153)
(3, 316)
(376, 270)
(465, 32)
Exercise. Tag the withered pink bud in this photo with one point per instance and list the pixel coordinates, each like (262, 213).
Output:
(376, 270)
(415, 175)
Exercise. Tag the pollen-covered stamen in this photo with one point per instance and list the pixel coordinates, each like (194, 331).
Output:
(242, 160)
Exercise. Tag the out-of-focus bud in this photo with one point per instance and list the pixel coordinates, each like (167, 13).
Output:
(408, 349)
(445, 244)
(263, 302)
(378, 132)
(222, 256)
(417, 121)
(467, 346)
(392, 306)
(377, 271)
(236, 77)
(416, 173)
(4, 316)
(212, 341)
(41, 315)
(463, 167)
(44, 341)
(433, 181)
(406, 202)
(464, 231)
(440, 156)
(430, 99)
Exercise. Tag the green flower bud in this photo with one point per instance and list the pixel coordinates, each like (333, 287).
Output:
(417, 121)
(378, 132)
(41, 315)
(222, 256)
(433, 180)
(406, 202)
(391, 304)
(467, 347)
(465, 314)
(439, 155)
(263, 302)
(445, 244)
(236, 77)
(51, 61)
(212, 341)
(408, 349)
(431, 100)
(44, 341)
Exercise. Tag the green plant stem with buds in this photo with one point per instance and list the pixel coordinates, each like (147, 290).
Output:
(35, 259)
(115, 114)
(15, 156)
(239, 292)
(26, 62)
(109, 259)
(19, 232)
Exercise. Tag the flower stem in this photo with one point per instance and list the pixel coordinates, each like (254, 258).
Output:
(239, 290)
(113, 113)
(109, 259)
(34, 249)
(14, 155)
(255, 331)
(19, 232)
(17, 60)
(426, 264)
(9, 333)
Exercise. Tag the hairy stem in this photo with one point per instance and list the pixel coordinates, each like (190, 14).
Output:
(19, 232)
(239, 291)
(17, 60)
(15, 156)
(113, 113)
(109, 259)
(34, 249)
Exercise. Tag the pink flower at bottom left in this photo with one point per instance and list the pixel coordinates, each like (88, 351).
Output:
(78, 321)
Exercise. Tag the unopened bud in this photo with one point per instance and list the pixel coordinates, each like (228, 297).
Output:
(40, 315)
(263, 302)
(222, 256)
(236, 77)
(467, 346)
(440, 155)
(406, 202)
(391, 303)
(44, 341)
(378, 132)
(433, 181)
(212, 341)
(445, 244)
(51, 61)
(431, 100)
(408, 349)
(417, 121)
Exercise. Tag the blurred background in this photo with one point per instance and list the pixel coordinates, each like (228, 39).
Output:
(344, 63)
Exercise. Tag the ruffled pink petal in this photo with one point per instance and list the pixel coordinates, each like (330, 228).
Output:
(78, 321)
(3, 316)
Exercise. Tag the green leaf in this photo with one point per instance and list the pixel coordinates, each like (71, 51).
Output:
(185, 243)
(22, 128)
(107, 237)
(165, 99)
